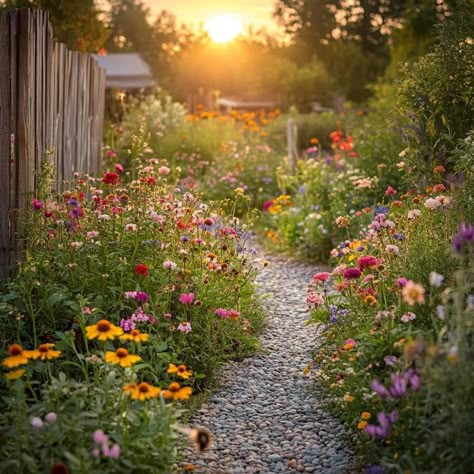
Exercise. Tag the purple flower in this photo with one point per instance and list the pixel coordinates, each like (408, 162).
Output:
(415, 381)
(390, 360)
(352, 273)
(37, 422)
(401, 282)
(374, 469)
(382, 430)
(399, 385)
(114, 451)
(379, 388)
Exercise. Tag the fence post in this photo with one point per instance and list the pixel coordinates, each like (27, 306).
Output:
(5, 131)
(292, 140)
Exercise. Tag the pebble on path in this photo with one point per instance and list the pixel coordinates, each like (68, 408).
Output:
(263, 418)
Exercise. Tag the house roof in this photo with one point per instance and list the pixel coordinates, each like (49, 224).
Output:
(126, 70)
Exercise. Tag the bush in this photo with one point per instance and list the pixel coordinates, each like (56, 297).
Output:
(126, 292)
(436, 94)
(397, 331)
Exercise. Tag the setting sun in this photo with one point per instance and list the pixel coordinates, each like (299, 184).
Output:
(224, 28)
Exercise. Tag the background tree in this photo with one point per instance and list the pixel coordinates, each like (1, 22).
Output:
(77, 23)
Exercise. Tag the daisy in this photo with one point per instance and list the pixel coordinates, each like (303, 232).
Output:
(44, 352)
(103, 330)
(180, 370)
(135, 335)
(121, 357)
(16, 356)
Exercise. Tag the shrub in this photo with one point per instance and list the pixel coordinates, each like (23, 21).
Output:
(436, 94)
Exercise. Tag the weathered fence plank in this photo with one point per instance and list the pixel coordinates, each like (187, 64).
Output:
(50, 99)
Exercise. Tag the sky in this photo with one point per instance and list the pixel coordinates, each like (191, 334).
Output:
(255, 12)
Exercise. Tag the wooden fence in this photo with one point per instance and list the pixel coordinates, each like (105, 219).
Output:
(50, 99)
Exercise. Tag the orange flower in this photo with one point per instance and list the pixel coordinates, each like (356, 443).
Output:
(180, 370)
(143, 391)
(121, 357)
(15, 374)
(44, 352)
(17, 356)
(361, 425)
(365, 415)
(103, 330)
(135, 335)
(176, 392)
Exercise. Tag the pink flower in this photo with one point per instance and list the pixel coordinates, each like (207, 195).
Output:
(167, 315)
(92, 234)
(407, 317)
(184, 327)
(349, 344)
(315, 299)
(100, 437)
(119, 168)
(187, 298)
(413, 293)
(164, 170)
(114, 452)
(431, 203)
(86, 310)
(37, 422)
(223, 313)
(110, 154)
(51, 417)
(390, 191)
(322, 276)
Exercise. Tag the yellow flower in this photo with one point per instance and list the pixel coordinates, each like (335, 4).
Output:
(121, 357)
(365, 415)
(103, 330)
(180, 370)
(14, 374)
(17, 356)
(239, 191)
(44, 352)
(273, 209)
(348, 398)
(176, 392)
(361, 425)
(135, 335)
(143, 391)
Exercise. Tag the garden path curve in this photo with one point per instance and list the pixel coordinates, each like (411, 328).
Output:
(264, 418)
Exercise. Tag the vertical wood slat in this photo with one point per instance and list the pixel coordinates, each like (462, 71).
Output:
(50, 99)
(5, 179)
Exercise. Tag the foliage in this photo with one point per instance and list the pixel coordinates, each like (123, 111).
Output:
(436, 94)
(76, 23)
(162, 276)
(397, 330)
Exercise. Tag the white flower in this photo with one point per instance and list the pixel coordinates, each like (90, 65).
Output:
(414, 213)
(432, 204)
(131, 227)
(169, 265)
(104, 217)
(436, 280)
(76, 245)
(440, 312)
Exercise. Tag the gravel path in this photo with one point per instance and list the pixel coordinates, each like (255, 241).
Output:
(264, 419)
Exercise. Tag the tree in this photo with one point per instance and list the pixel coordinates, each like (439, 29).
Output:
(77, 23)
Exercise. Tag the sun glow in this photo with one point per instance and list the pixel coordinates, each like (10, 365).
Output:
(224, 28)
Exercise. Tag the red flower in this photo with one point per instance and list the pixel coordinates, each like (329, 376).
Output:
(141, 269)
(390, 191)
(111, 178)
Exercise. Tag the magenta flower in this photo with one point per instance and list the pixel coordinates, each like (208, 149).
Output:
(366, 261)
(401, 282)
(352, 273)
(187, 298)
(37, 204)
